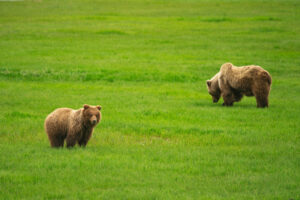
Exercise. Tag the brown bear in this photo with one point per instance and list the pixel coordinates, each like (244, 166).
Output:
(233, 82)
(74, 126)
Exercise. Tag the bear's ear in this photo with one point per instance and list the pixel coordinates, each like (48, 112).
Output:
(208, 82)
(99, 107)
(85, 106)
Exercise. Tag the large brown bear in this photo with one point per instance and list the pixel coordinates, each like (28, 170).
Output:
(233, 82)
(74, 126)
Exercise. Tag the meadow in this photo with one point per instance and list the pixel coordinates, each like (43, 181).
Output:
(146, 63)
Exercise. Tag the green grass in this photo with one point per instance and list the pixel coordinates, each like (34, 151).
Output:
(146, 63)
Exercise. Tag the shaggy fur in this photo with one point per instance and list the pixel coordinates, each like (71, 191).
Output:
(74, 126)
(232, 83)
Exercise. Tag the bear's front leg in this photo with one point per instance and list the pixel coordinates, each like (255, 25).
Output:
(228, 99)
(238, 96)
(82, 142)
(71, 140)
(85, 138)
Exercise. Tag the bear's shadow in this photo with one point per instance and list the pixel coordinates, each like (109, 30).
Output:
(219, 104)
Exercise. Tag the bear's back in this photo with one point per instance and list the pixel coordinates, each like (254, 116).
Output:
(243, 77)
(61, 114)
(251, 72)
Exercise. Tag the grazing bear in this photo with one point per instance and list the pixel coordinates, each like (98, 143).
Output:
(74, 126)
(233, 82)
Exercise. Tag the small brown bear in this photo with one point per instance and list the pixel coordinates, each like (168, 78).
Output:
(74, 126)
(232, 83)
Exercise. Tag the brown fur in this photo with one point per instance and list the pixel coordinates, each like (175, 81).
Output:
(232, 83)
(74, 126)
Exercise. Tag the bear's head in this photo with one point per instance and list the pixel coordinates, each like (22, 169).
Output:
(91, 114)
(213, 88)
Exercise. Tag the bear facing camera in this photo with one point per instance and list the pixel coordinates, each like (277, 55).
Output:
(232, 83)
(74, 126)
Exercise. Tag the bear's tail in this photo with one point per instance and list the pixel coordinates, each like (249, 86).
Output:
(266, 76)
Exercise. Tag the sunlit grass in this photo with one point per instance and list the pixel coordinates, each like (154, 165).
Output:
(145, 63)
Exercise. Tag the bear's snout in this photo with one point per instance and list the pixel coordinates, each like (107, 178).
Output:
(215, 99)
(93, 120)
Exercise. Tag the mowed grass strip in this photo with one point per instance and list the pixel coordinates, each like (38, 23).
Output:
(146, 63)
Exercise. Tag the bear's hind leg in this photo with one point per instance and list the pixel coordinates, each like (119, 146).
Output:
(262, 98)
(262, 101)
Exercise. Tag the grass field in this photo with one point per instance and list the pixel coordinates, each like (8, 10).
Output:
(146, 63)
